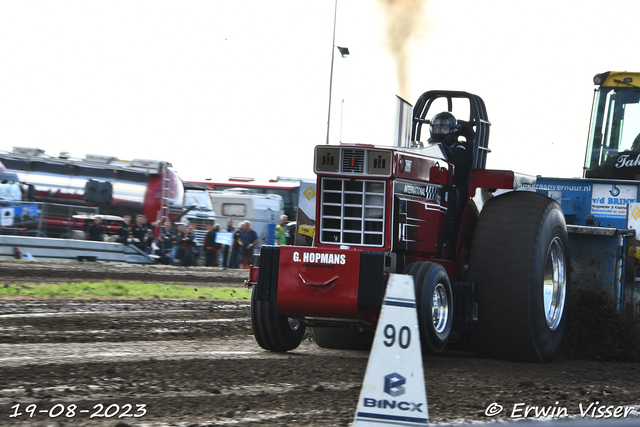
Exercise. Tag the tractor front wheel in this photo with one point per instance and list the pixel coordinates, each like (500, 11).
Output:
(271, 330)
(434, 302)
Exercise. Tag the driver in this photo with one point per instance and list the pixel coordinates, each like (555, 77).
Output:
(443, 126)
(445, 130)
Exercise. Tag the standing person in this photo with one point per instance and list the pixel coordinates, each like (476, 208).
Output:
(188, 242)
(150, 235)
(211, 247)
(282, 231)
(176, 240)
(249, 239)
(139, 233)
(95, 230)
(123, 230)
(164, 243)
(227, 249)
(236, 246)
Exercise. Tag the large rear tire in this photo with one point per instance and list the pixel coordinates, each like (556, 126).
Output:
(520, 262)
(271, 330)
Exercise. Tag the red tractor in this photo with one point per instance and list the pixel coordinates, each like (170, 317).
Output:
(490, 264)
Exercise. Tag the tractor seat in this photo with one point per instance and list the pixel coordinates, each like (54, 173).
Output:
(466, 130)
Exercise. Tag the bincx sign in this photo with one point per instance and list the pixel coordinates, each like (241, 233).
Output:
(393, 390)
(393, 386)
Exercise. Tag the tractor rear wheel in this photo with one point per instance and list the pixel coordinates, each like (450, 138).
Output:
(520, 263)
(271, 330)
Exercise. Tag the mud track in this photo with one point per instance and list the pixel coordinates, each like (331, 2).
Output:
(57, 272)
(195, 363)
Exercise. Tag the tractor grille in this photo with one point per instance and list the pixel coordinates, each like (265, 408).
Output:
(353, 161)
(352, 212)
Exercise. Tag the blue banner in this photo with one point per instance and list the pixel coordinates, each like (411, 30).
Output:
(13, 216)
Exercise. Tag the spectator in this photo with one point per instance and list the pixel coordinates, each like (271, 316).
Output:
(85, 227)
(176, 240)
(282, 231)
(188, 242)
(292, 226)
(149, 236)
(139, 233)
(249, 239)
(226, 249)
(124, 230)
(95, 230)
(211, 247)
(236, 246)
(164, 243)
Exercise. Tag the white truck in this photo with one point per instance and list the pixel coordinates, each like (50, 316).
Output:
(200, 213)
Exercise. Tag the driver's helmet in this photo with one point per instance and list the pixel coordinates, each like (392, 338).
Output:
(442, 125)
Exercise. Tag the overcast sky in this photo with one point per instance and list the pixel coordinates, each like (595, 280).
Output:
(222, 88)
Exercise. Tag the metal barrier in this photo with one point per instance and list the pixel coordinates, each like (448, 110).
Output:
(47, 249)
(44, 219)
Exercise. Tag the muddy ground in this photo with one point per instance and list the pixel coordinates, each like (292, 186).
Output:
(58, 272)
(195, 363)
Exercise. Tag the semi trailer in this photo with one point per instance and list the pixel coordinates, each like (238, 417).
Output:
(95, 183)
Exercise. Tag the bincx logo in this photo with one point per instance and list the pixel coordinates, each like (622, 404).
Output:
(393, 384)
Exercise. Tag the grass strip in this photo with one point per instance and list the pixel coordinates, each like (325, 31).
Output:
(119, 289)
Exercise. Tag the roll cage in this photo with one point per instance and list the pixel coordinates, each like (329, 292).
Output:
(475, 127)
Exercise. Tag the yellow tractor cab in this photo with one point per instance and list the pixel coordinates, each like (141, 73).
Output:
(613, 149)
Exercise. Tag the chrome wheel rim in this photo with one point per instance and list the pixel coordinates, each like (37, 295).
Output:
(440, 308)
(294, 324)
(555, 284)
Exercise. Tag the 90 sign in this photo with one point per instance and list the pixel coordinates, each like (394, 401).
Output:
(404, 336)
